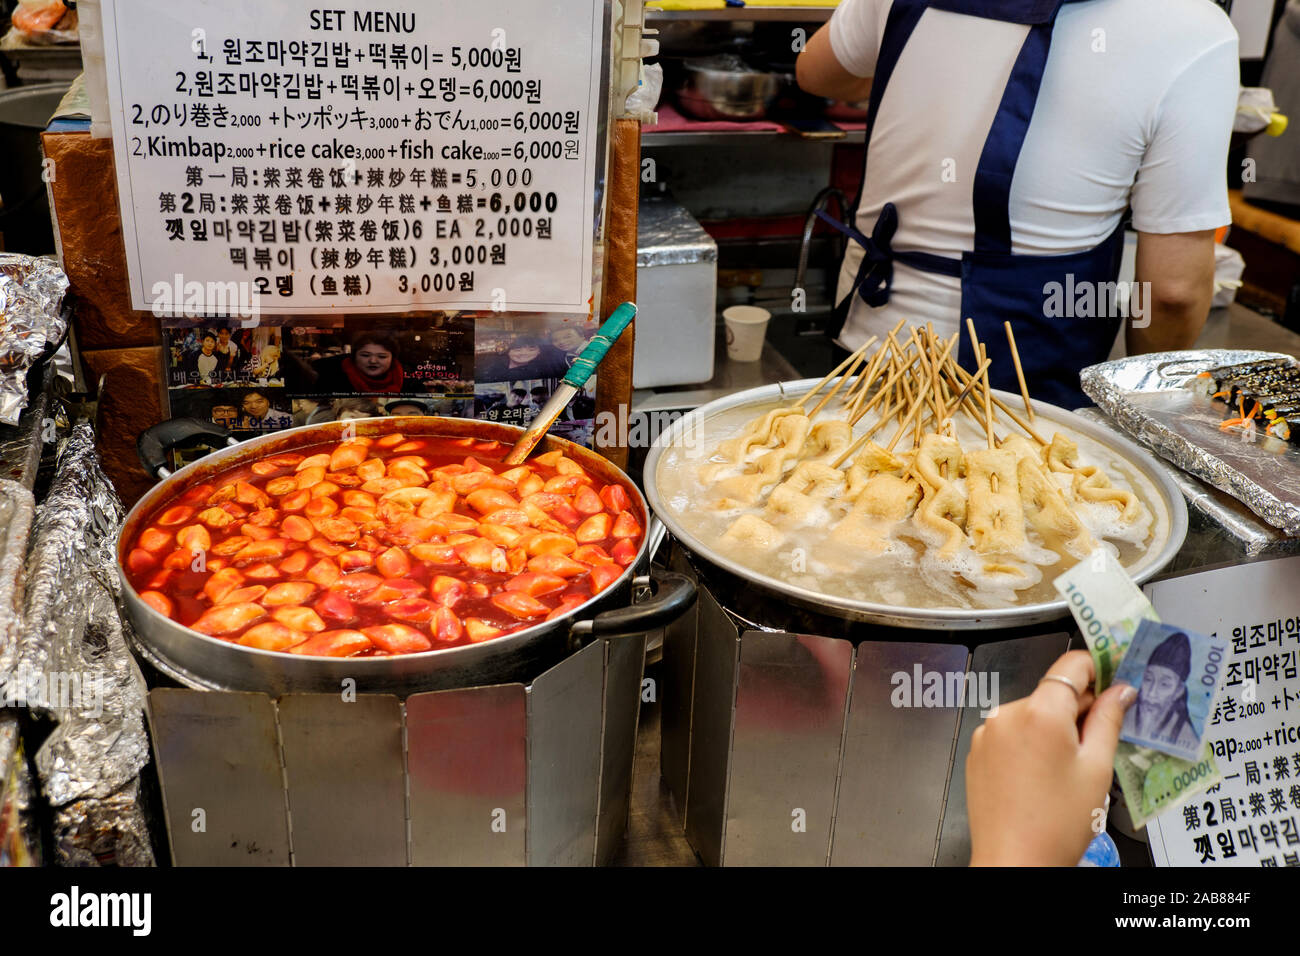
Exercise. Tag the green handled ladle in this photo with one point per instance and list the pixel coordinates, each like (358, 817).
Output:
(581, 370)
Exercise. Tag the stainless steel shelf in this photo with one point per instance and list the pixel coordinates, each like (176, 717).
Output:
(769, 14)
(650, 138)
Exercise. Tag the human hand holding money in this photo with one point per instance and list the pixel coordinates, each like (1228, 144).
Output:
(1036, 778)
(1109, 609)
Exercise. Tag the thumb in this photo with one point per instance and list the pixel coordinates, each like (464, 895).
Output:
(1102, 724)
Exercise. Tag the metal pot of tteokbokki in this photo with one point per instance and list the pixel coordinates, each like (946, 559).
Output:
(398, 552)
(902, 490)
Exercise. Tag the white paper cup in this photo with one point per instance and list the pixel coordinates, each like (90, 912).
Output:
(746, 329)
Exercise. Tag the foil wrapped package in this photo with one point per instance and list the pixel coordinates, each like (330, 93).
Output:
(71, 662)
(104, 832)
(667, 234)
(1150, 398)
(1254, 536)
(31, 323)
(20, 835)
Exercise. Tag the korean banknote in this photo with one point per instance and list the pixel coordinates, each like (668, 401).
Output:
(1177, 674)
(1109, 609)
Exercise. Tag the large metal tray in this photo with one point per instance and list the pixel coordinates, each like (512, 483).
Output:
(1156, 559)
(1147, 397)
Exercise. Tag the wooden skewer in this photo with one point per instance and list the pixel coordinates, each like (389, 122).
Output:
(919, 385)
(948, 413)
(941, 364)
(936, 393)
(862, 440)
(923, 393)
(1020, 372)
(962, 398)
(881, 393)
(869, 377)
(936, 363)
(835, 371)
(885, 418)
(965, 376)
(916, 407)
(863, 384)
(861, 354)
(900, 351)
(886, 352)
(979, 357)
(909, 401)
(988, 408)
(968, 406)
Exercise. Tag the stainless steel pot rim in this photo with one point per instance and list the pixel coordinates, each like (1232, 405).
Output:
(321, 432)
(928, 618)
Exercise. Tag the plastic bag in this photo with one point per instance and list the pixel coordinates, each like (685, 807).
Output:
(643, 100)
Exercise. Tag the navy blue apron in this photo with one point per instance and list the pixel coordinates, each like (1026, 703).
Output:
(997, 285)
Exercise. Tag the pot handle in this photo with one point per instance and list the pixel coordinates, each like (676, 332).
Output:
(155, 442)
(674, 595)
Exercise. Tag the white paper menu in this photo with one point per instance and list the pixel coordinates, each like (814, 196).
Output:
(1252, 817)
(284, 157)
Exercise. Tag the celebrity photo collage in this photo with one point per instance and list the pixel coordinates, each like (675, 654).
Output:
(467, 365)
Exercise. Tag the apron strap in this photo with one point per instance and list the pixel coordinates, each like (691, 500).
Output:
(875, 276)
(1028, 12)
(903, 17)
(991, 195)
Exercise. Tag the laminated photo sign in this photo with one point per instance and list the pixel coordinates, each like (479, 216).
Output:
(1251, 817)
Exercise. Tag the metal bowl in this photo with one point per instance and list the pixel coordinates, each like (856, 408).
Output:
(725, 88)
(945, 619)
(204, 662)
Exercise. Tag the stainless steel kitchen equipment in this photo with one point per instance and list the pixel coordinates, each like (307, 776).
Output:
(784, 597)
(519, 753)
(724, 87)
(196, 660)
(502, 775)
(786, 736)
(795, 747)
(677, 285)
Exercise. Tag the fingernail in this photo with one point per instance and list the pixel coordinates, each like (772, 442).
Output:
(1128, 694)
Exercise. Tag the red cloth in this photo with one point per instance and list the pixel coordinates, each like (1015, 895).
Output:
(672, 121)
(392, 382)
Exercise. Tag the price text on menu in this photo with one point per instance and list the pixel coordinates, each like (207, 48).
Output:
(1252, 818)
(358, 158)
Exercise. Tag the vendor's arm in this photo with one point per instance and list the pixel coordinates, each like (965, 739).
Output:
(1180, 196)
(840, 59)
(821, 74)
(1176, 273)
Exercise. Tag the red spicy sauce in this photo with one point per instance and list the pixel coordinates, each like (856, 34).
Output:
(371, 547)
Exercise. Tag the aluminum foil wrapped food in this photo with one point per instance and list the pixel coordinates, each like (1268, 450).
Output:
(71, 662)
(1150, 397)
(1246, 530)
(31, 323)
(20, 835)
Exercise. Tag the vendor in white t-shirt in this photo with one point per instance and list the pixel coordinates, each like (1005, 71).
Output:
(1005, 141)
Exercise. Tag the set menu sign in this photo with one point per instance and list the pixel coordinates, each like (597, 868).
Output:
(357, 157)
